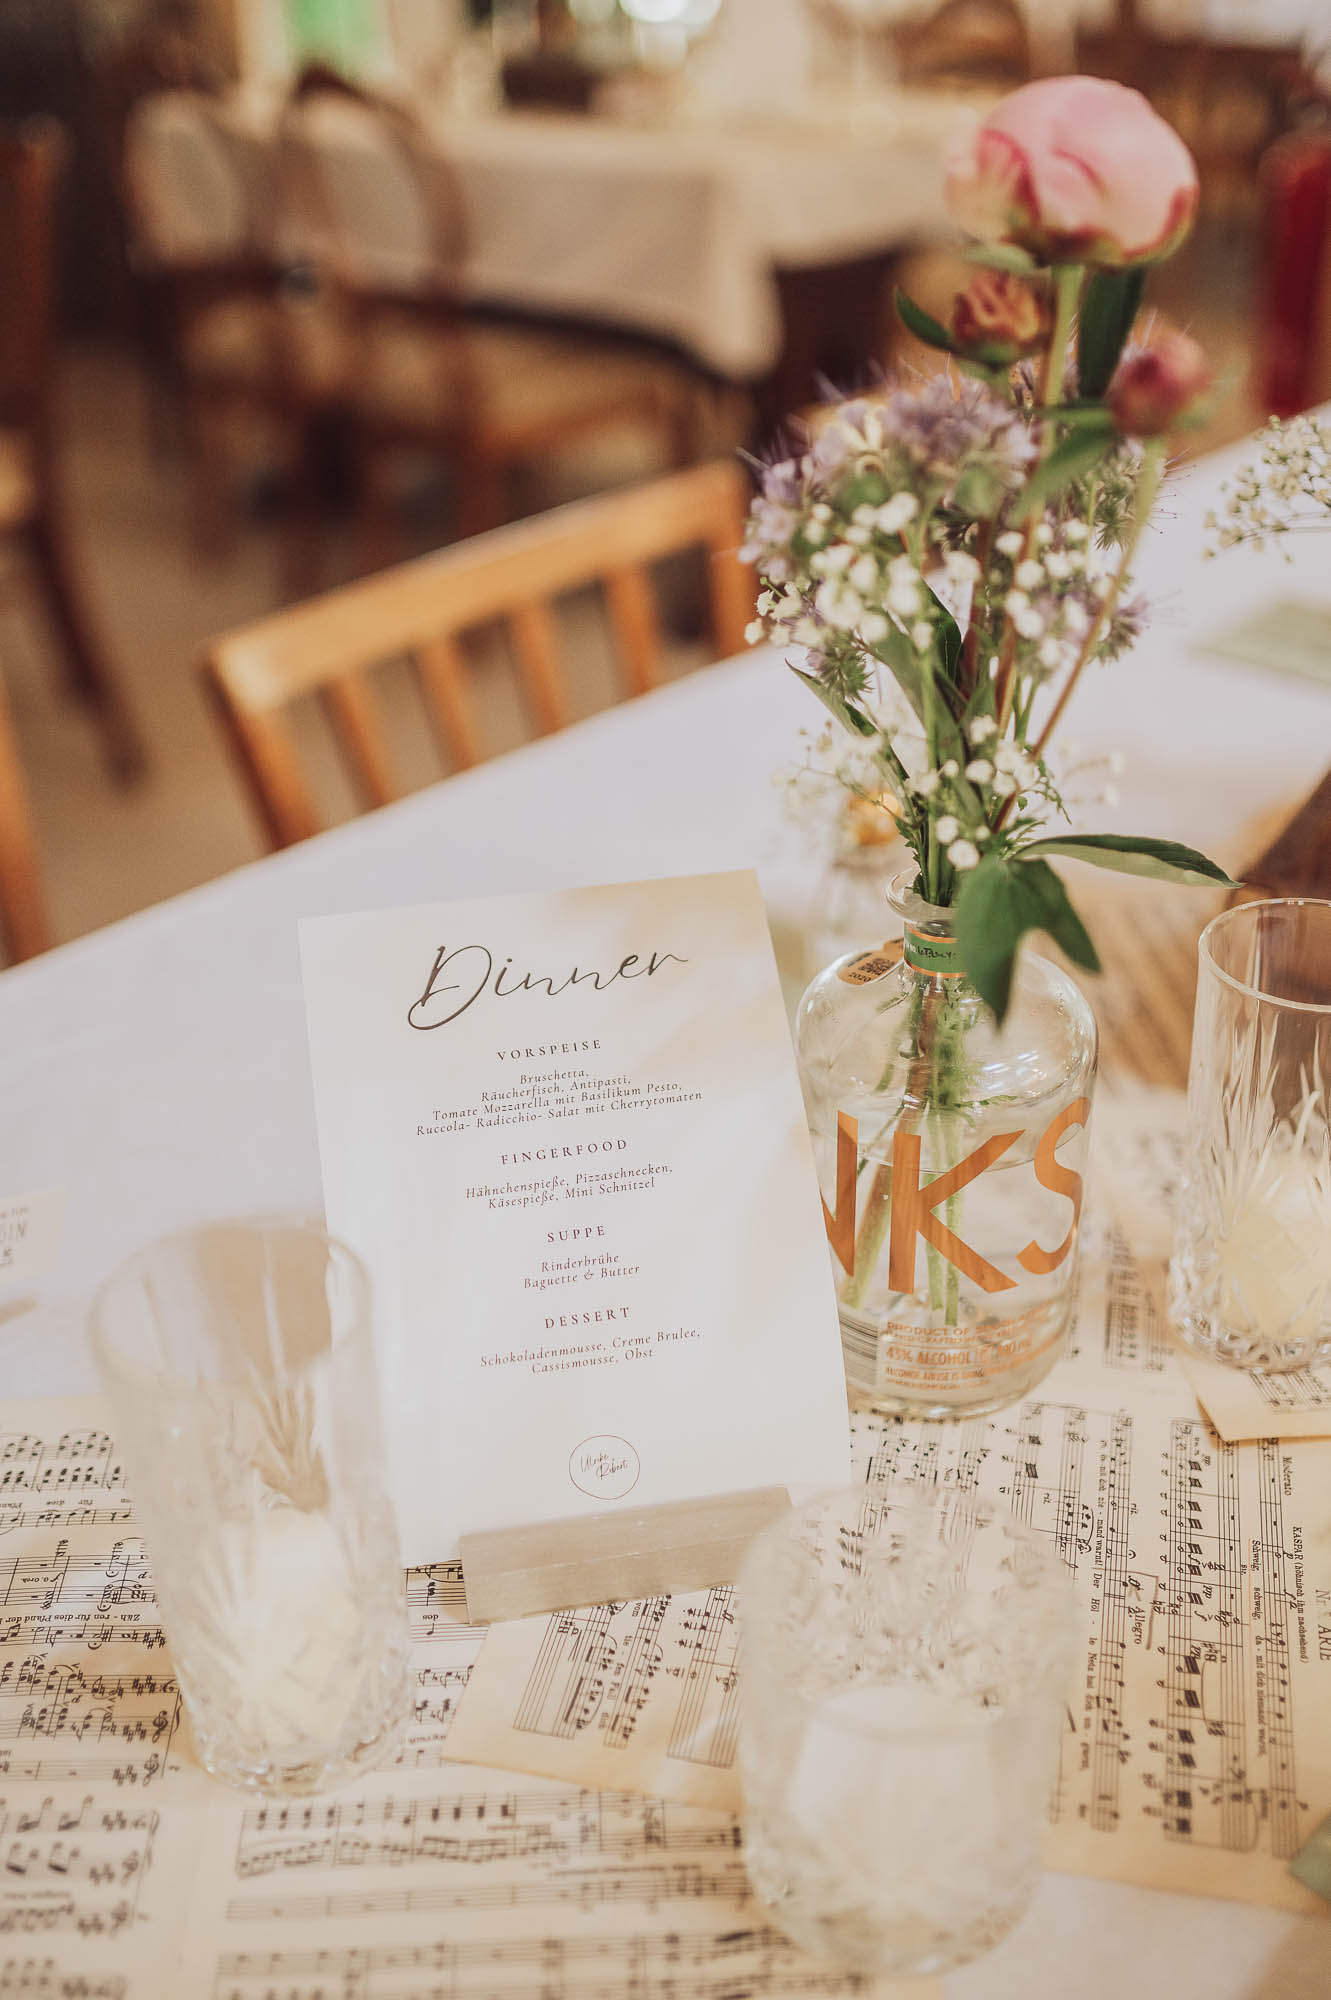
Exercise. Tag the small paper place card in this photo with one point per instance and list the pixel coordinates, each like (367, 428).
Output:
(29, 1237)
(565, 1134)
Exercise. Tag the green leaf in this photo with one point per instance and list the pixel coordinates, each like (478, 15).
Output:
(850, 717)
(1135, 854)
(1000, 901)
(949, 639)
(922, 324)
(1107, 311)
(1070, 458)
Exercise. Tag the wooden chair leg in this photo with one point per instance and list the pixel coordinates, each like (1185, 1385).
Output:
(24, 923)
(212, 513)
(302, 509)
(89, 674)
(483, 500)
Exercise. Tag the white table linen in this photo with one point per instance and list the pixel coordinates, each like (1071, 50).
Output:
(157, 1073)
(674, 232)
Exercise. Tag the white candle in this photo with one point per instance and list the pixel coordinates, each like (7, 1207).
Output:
(291, 1658)
(903, 1786)
(1276, 1258)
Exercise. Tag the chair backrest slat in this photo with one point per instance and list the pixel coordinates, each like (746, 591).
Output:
(535, 637)
(23, 916)
(355, 720)
(443, 679)
(420, 608)
(632, 606)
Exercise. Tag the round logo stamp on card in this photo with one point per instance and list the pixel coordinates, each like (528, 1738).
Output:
(605, 1468)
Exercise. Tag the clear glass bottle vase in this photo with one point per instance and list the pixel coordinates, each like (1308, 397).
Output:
(952, 1156)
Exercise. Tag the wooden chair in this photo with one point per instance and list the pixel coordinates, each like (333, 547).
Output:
(243, 346)
(382, 212)
(423, 608)
(31, 507)
(23, 920)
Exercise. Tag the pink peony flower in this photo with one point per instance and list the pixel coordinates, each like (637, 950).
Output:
(1075, 169)
(1158, 388)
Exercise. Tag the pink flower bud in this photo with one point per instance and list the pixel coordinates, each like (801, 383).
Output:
(1075, 169)
(1156, 389)
(998, 318)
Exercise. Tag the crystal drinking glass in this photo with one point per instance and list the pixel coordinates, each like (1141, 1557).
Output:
(1250, 1281)
(237, 1359)
(905, 1665)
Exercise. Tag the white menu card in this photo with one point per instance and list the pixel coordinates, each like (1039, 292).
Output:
(565, 1134)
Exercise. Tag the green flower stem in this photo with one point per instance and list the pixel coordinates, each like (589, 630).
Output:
(1148, 486)
(1067, 291)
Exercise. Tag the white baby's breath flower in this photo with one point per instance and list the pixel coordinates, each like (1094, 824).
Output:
(947, 828)
(950, 768)
(963, 854)
(982, 834)
(806, 632)
(1026, 772)
(1028, 575)
(1075, 531)
(904, 599)
(1015, 601)
(1044, 535)
(839, 607)
(1050, 653)
(1004, 785)
(961, 566)
(894, 514)
(1076, 618)
(1029, 623)
(864, 515)
(1007, 757)
(1057, 565)
(921, 635)
(979, 770)
(814, 533)
(836, 559)
(857, 537)
(981, 728)
(926, 784)
(821, 511)
(755, 631)
(1010, 544)
(873, 627)
(863, 573)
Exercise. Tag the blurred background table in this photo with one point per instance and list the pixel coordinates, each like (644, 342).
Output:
(697, 235)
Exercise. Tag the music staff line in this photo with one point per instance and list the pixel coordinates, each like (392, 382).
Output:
(476, 1827)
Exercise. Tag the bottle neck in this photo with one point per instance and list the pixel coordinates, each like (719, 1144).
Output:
(933, 951)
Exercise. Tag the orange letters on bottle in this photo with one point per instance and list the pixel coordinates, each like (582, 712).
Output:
(913, 1206)
(841, 1226)
(1052, 1174)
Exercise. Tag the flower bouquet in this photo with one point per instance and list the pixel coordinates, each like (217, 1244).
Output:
(948, 557)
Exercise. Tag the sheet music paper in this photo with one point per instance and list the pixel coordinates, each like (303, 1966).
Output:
(643, 1695)
(93, 1875)
(1197, 1745)
(1251, 1406)
(127, 1874)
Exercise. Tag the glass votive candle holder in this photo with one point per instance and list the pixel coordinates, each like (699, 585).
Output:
(905, 1666)
(1250, 1278)
(238, 1362)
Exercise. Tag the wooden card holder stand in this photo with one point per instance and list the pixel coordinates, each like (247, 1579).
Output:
(605, 1558)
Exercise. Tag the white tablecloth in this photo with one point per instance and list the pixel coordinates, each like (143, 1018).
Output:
(157, 1072)
(673, 232)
